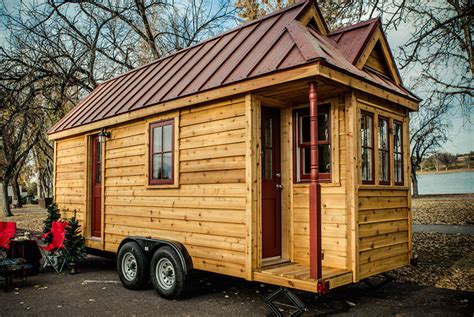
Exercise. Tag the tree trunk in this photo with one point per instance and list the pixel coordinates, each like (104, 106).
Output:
(6, 206)
(40, 187)
(414, 181)
(16, 192)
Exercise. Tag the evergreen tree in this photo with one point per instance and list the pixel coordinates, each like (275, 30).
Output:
(53, 215)
(74, 241)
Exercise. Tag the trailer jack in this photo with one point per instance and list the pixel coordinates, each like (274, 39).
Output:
(295, 303)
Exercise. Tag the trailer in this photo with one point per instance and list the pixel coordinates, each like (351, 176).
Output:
(276, 152)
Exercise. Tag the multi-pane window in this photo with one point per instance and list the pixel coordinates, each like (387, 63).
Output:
(367, 146)
(398, 153)
(383, 147)
(303, 142)
(161, 152)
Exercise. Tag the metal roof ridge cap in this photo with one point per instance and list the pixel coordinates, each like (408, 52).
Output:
(353, 26)
(329, 47)
(307, 49)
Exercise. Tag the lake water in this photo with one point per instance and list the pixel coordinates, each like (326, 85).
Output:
(447, 183)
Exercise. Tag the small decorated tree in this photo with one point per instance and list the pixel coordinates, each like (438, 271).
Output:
(74, 241)
(53, 215)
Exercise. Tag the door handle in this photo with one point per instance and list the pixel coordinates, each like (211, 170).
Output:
(279, 186)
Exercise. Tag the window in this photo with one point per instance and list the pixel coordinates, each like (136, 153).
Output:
(398, 153)
(303, 141)
(267, 139)
(161, 160)
(367, 145)
(98, 162)
(384, 158)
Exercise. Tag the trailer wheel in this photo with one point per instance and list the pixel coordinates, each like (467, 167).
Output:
(132, 266)
(167, 274)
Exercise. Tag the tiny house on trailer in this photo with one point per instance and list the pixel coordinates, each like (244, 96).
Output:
(276, 152)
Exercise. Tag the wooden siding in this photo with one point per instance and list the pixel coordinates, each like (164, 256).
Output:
(377, 61)
(70, 177)
(333, 204)
(383, 230)
(207, 211)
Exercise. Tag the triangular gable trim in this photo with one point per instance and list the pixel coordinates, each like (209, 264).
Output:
(311, 15)
(378, 37)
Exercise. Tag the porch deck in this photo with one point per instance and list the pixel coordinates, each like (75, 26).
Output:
(296, 275)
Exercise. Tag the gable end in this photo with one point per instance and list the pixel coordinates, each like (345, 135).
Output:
(312, 16)
(377, 56)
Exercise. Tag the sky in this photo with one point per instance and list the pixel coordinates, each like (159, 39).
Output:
(461, 134)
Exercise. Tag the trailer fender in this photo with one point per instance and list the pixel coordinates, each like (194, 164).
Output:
(150, 245)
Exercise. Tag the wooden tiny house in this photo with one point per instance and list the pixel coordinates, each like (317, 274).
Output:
(276, 152)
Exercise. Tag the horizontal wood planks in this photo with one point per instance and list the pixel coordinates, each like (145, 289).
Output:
(383, 230)
(70, 177)
(206, 212)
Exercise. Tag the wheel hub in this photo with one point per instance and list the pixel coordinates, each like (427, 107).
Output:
(129, 266)
(165, 274)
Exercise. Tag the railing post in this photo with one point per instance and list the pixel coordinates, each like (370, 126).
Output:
(314, 189)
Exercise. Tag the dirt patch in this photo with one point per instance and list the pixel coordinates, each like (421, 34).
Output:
(444, 261)
(444, 209)
(30, 217)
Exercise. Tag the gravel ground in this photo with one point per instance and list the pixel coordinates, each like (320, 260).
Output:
(444, 209)
(98, 292)
(444, 260)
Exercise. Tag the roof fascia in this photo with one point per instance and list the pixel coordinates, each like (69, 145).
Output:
(341, 76)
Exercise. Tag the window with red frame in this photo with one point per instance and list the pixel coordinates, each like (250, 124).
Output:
(384, 156)
(367, 146)
(302, 159)
(161, 158)
(398, 152)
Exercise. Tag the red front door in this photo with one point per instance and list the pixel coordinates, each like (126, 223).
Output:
(96, 190)
(271, 183)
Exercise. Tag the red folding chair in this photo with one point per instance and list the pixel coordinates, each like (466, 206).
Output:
(55, 253)
(7, 233)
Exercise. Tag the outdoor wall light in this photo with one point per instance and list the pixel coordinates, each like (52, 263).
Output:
(103, 136)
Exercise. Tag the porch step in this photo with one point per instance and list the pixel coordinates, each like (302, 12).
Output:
(297, 276)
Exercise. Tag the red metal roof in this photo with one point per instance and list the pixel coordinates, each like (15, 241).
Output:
(273, 43)
(352, 39)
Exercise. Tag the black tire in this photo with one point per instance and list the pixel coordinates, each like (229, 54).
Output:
(166, 261)
(132, 256)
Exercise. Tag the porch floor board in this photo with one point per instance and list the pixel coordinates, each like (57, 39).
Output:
(299, 271)
(297, 275)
